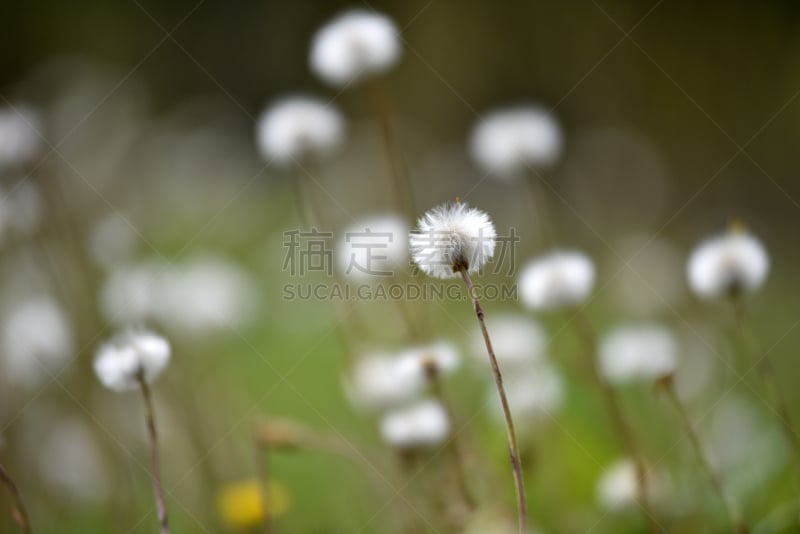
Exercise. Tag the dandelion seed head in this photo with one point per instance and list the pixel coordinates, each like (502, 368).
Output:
(423, 424)
(452, 237)
(374, 247)
(19, 140)
(558, 280)
(119, 362)
(637, 352)
(36, 337)
(733, 262)
(534, 393)
(505, 143)
(353, 46)
(298, 127)
(517, 340)
(440, 357)
(381, 381)
(617, 488)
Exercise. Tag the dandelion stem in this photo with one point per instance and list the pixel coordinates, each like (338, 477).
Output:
(18, 512)
(513, 449)
(161, 509)
(263, 476)
(586, 334)
(735, 517)
(403, 190)
(540, 207)
(767, 372)
(453, 443)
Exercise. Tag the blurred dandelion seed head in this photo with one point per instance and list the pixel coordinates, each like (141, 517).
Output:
(505, 143)
(296, 128)
(558, 280)
(353, 46)
(637, 352)
(733, 262)
(419, 425)
(517, 340)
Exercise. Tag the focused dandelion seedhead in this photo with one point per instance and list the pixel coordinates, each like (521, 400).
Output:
(638, 352)
(518, 341)
(733, 263)
(558, 280)
(374, 247)
(451, 238)
(129, 357)
(420, 425)
(353, 46)
(298, 127)
(505, 143)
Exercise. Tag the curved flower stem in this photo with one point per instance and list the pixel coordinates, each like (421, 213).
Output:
(453, 443)
(513, 449)
(263, 477)
(587, 336)
(19, 512)
(153, 436)
(403, 189)
(735, 517)
(767, 372)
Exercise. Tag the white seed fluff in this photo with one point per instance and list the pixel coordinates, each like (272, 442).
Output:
(353, 46)
(298, 127)
(441, 356)
(423, 424)
(120, 362)
(505, 142)
(517, 341)
(735, 261)
(382, 381)
(557, 280)
(637, 352)
(19, 139)
(374, 247)
(451, 237)
(534, 393)
(617, 488)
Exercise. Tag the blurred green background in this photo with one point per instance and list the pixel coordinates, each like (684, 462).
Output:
(677, 116)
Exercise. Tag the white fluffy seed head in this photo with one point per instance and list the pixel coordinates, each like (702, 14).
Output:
(452, 237)
(353, 46)
(505, 142)
(387, 380)
(440, 357)
(618, 488)
(19, 139)
(558, 280)
(534, 393)
(36, 339)
(374, 247)
(381, 381)
(517, 341)
(119, 363)
(637, 352)
(728, 264)
(420, 425)
(298, 127)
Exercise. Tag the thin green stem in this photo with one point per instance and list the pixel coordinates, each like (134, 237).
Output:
(158, 493)
(453, 443)
(733, 513)
(19, 512)
(513, 448)
(767, 373)
(587, 336)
